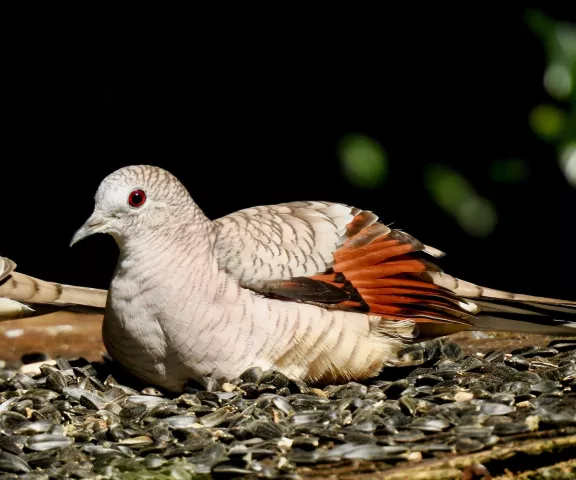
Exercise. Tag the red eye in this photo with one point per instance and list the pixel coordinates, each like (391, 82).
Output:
(137, 198)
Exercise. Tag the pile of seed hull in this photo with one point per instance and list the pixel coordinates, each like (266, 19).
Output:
(76, 420)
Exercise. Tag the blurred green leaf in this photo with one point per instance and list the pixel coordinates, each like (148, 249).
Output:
(558, 81)
(568, 162)
(446, 186)
(363, 160)
(477, 215)
(547, 121)
(456, 195)
(509, 171)
(559, 39)
(554, 124)
(540, 24)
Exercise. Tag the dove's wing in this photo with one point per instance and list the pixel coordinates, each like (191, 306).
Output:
(341, 257)
(10, 308)
(335, 255)
(22, 295)
(281, 241)
(6, 267)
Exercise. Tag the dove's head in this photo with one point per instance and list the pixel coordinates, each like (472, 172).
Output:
(135, 201)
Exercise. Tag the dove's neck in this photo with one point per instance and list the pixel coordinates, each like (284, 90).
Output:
(178, 254)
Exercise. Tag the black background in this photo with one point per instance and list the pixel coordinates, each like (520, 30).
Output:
(250, 114)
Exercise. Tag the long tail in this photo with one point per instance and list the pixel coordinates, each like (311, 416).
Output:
(24, 296)
(498, 310)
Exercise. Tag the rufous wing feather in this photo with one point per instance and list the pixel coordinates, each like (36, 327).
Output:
(383, 272)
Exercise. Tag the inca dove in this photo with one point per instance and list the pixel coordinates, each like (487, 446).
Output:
(25, 296)
(320, 291)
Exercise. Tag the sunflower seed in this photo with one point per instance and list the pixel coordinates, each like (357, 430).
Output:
(496, 409)
(13, 464)
(43, 442)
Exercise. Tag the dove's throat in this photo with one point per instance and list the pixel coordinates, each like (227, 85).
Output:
(166, 265)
